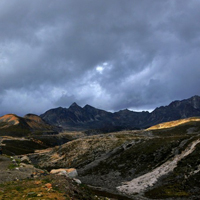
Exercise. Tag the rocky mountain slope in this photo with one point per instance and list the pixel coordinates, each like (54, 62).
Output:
(88, 117)
(157, 163)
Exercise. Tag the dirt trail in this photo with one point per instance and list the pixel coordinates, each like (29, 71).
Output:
(141, 183)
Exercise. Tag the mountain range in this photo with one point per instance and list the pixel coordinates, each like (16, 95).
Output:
(93, 121)
(90, 118)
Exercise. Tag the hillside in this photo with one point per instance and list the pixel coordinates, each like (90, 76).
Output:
(8, 120)
(158, 163)
(23, 135)
(90, 118)
(13, 125)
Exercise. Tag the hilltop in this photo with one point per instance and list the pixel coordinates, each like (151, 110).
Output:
(14, 125)
(23, 135)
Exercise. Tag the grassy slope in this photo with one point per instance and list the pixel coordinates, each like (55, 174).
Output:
(13, 125)
(62, 189)
(129, 154)
(107, 160)
(184, 181)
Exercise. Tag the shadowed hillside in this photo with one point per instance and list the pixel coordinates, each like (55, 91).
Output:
(90, 118)
(169, 154)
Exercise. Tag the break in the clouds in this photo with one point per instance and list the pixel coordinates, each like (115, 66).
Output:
(109, 54)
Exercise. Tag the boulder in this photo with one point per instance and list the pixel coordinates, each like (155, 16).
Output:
(77, 181)
(48, 185)
(25, 159)
(71, 173)
(56, 171)
(62, 173)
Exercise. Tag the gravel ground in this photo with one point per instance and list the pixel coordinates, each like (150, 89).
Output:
(10, 173)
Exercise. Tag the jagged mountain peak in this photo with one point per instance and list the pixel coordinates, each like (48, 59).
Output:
(74, 106)
(88, 117)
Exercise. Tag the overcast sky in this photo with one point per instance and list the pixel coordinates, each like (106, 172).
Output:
(111, 54)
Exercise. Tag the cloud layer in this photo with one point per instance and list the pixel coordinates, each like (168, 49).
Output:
(109, 54)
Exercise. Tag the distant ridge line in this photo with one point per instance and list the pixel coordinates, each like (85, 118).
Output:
(89, 118)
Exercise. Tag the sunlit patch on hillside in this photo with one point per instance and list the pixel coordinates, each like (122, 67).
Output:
(174, 123)
(10, 119)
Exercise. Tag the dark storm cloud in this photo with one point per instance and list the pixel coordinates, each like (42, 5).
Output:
(110, 54)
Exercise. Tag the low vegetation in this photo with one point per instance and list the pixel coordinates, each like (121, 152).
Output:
(107, 160)
(48, 187)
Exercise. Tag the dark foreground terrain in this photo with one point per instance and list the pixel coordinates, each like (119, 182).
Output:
(23, 181)
(157, 163)
(161, 162)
